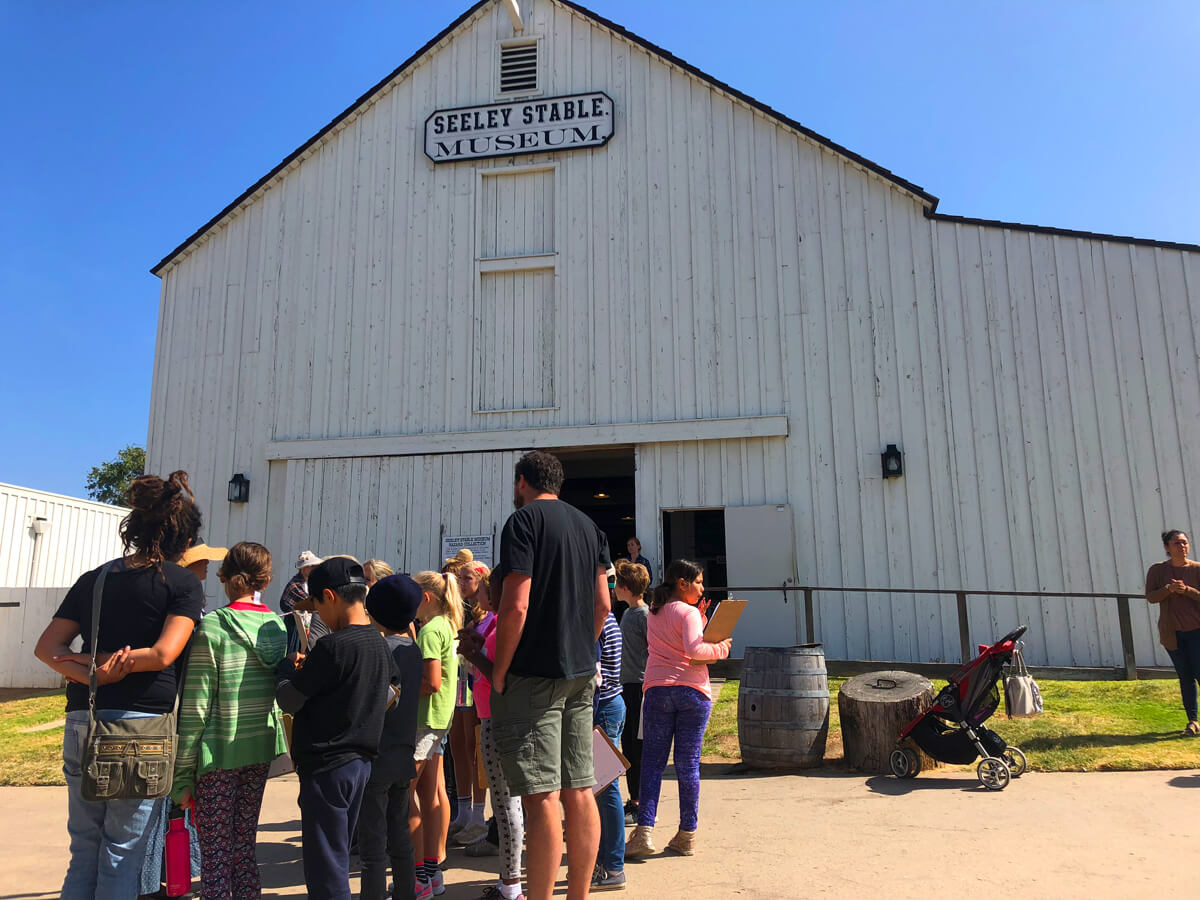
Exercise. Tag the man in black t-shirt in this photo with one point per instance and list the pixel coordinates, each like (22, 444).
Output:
(553, 606)
(338, 698)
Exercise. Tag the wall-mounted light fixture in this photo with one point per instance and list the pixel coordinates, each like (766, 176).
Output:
(600, 495)
(239, 488)
(893, 462)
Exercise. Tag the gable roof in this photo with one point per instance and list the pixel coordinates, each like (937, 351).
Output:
(667, 56)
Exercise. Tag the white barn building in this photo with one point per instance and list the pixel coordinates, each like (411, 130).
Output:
(719, 317)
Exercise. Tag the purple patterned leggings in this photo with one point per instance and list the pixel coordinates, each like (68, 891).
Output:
(680, 713)
(227, 806)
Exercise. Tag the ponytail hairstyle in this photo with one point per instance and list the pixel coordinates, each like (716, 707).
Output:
(665, 593)
(246, 568)
(445, 591)
(163, 520)
(455, 563)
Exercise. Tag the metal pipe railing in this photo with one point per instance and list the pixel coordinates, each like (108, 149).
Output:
(1129, 664)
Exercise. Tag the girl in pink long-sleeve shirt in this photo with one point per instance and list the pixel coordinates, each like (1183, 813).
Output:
(676, 704)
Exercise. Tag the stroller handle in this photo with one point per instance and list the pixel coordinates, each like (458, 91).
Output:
(1014, 635)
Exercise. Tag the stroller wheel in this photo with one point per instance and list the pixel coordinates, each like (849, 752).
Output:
(994, 773)
(1016, 761)
(905, 763)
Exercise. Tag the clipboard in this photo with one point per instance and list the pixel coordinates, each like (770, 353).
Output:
(721, 625)
(608, 762)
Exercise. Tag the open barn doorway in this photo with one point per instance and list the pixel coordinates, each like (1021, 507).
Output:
(601, 484)
(698, 535)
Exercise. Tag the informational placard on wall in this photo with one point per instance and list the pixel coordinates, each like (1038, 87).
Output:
(541, 125)
(479, 544)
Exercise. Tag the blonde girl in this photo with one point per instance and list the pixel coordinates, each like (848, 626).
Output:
(441, 618)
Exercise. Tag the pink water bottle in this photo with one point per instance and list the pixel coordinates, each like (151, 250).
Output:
(178, 853)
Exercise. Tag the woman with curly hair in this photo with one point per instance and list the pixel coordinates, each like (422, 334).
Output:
(149, 607)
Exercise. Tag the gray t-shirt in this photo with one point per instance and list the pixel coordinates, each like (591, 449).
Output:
(633, 644)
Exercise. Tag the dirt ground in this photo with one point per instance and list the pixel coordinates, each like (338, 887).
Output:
(828, 834)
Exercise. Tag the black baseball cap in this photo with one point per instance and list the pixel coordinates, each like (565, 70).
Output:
(393, 601)
(335, 572)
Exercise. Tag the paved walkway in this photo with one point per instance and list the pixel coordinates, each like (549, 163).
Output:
(832, 835)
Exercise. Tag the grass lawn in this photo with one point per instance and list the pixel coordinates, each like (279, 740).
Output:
(1087, 726)
(33, 757)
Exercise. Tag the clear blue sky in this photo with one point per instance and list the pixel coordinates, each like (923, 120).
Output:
(129, 124)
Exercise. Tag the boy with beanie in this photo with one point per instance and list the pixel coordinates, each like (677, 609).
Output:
(383, 824)
(338, 696)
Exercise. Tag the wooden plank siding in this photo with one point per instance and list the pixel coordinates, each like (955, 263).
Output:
(709, 262)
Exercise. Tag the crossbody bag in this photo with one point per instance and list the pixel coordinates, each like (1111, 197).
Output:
(126, 759)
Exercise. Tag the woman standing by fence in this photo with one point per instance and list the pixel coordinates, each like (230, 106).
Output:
(1174, 585)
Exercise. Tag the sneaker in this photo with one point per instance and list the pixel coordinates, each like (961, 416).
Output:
(684, 843)
(604, 880)
(482, 847)
(471, 834)
(630, 817)
(639, 843)
(422, 890)
(491, 892)
(438, 883)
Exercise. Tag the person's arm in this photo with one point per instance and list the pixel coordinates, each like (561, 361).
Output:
(54, 649)
(470, 647)
(431, 677)
(199, 688)
(1154, 592)
(293, 687)
(510, 625)
(603, 602)
(694, 644)
(176, 632)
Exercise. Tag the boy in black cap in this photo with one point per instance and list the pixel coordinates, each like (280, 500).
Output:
(383, 826)
(338, 699)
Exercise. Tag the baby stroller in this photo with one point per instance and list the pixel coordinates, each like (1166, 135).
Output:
(952, 731)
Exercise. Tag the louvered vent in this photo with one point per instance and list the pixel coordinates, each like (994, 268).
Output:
(519, 68)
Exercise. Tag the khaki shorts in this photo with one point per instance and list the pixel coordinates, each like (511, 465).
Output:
(543, 733)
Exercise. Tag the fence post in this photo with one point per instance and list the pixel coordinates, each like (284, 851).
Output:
(810, 628)
(1127, 650)
(964, 631)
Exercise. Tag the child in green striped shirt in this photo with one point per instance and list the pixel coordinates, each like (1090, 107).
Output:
(229, 726)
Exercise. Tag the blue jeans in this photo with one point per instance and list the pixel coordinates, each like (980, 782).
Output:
(1186, 660)
(108, 838)
(610, 716)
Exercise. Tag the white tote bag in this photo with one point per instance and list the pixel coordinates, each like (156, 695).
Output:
(1021, 695)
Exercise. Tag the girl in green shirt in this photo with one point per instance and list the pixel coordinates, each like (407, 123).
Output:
(429, 812)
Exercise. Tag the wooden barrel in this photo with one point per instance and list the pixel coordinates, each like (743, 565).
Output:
(783, 707)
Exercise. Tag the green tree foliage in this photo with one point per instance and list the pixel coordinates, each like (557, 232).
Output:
(108, 481)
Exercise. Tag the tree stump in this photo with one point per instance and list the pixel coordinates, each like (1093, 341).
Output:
(875, 708)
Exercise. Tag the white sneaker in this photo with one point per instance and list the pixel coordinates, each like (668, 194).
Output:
(471, 833)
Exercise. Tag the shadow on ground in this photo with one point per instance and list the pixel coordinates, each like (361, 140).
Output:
(897, 787)
(1096, 740)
